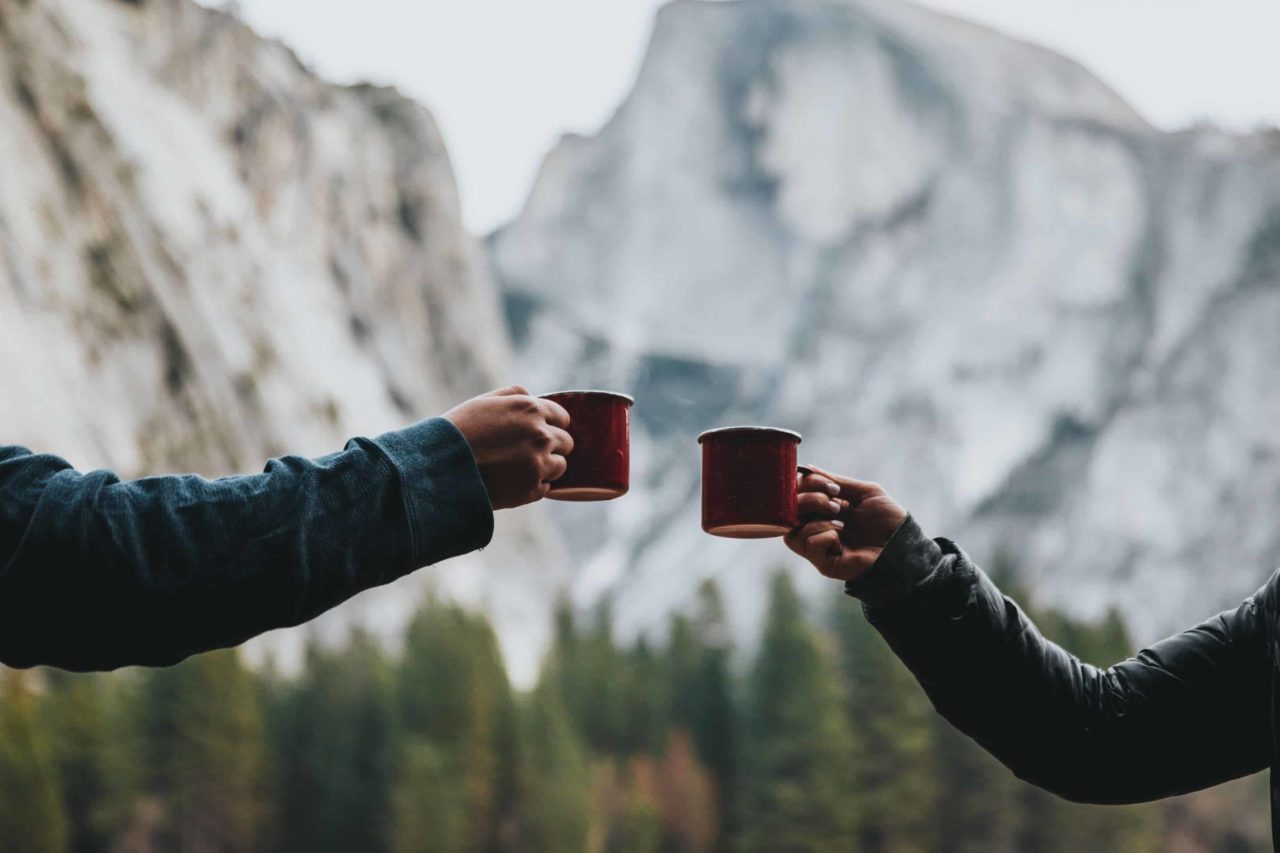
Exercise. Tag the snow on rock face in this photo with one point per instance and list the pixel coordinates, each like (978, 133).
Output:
(846, 84)
(959, 264)
(208, 256)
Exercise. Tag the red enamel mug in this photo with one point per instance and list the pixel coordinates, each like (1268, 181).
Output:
(749, 481)
(600, 464)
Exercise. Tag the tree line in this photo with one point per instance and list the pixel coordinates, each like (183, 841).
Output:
(816, 739)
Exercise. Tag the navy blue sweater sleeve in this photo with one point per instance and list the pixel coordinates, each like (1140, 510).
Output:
(96, 573)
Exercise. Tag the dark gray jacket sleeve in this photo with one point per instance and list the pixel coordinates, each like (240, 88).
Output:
(96, 573)
(1189, 712)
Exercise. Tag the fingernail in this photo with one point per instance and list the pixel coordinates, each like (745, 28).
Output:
(837, 524)
(833, 506)
(833, 489)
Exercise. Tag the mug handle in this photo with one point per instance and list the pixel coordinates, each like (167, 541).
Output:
(804, 469)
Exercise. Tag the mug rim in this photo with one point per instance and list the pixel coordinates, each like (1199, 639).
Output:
(595, 392)
(790, 433)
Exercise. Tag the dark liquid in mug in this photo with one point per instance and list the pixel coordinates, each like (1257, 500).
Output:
(749, 482)
(600, 464)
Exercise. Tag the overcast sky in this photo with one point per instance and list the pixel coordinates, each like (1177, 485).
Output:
(504, 78)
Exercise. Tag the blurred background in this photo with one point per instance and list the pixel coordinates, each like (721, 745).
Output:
(1020, 264)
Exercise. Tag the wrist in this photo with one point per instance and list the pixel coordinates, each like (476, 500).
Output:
(442, 489)
(906, 561)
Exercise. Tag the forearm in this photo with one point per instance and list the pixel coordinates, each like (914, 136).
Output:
(106, 573)
(1187, 713)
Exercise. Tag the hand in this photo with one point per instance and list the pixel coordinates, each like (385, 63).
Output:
(845, 524)
(519, 442)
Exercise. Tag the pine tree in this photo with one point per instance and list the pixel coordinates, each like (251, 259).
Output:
(799, 750)
(603, 713)
(335, 747)
(584, 668)
(684, 661)
(453, 694)
(565, 671)
(429, 807)
(32, 817)
(507, 791)
(896, 769)
(554, 794)
(204, 741)
(977, 807)
(645, 700)
(73, 711)
(124, 812)
(704, 703)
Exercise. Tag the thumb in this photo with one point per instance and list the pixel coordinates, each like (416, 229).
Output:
(509, 391)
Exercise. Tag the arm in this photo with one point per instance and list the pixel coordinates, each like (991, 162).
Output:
(1187, 713)
(96, 573)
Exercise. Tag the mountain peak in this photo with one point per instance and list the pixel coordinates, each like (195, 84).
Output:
(958, 263)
